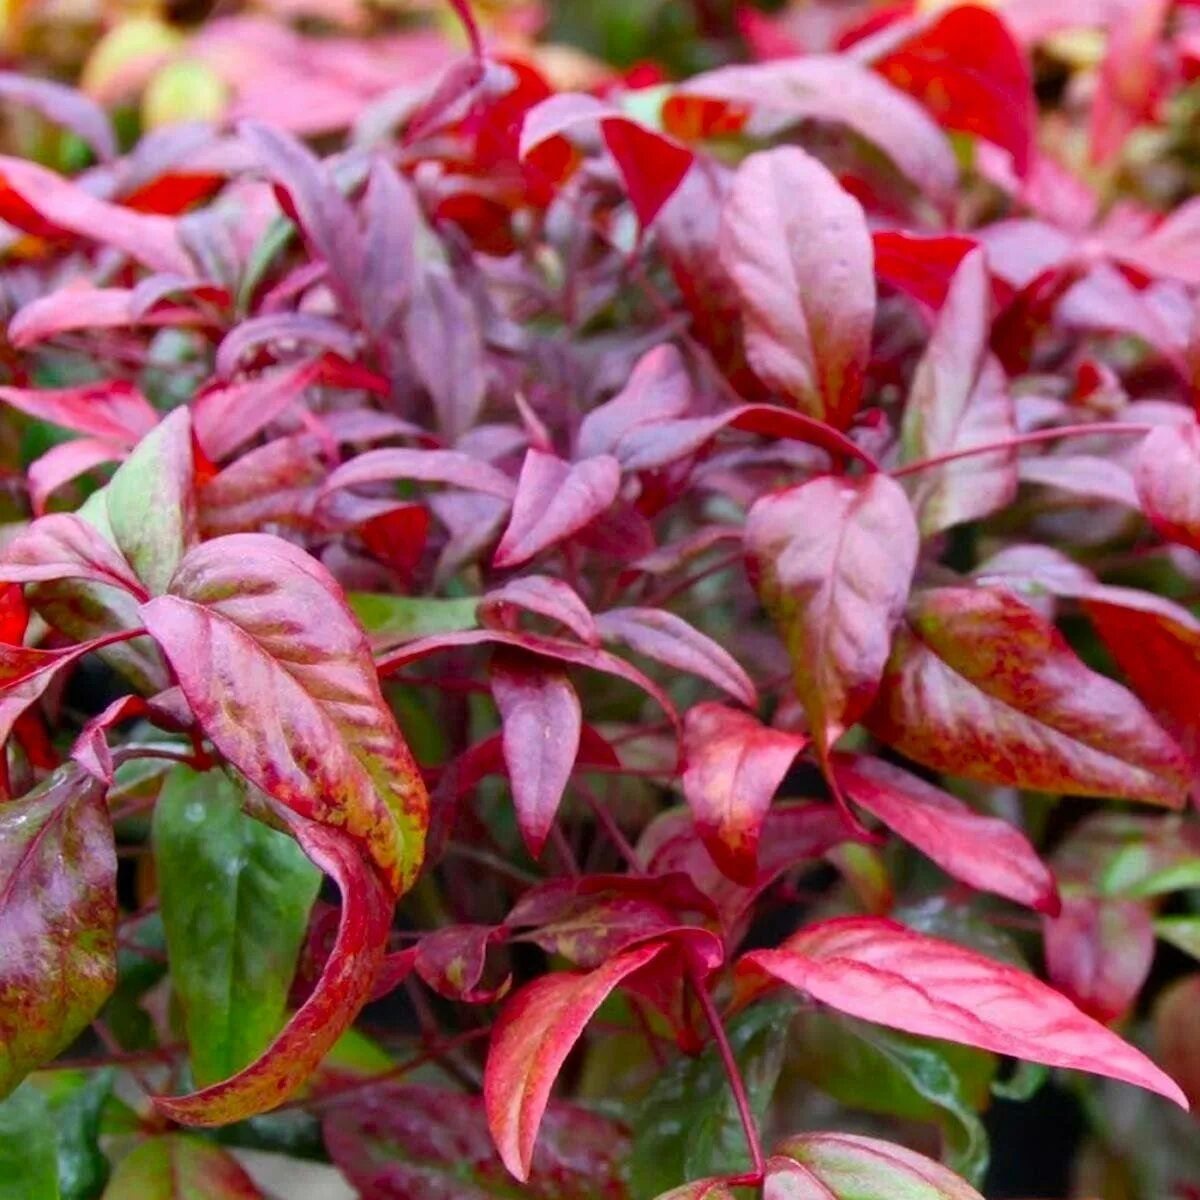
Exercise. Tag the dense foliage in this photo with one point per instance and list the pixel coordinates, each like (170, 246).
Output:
(586, 629)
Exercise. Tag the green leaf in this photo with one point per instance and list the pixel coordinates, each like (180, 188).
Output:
(152, 502)
(180, 1168)
(1023, 1084)
(688, 1126)
(77, 1100)
(28, 1161)
(235, 897)
(878, 1070)
(1181, 932)
(404, 617)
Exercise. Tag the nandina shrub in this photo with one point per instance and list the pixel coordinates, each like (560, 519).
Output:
(671, 607)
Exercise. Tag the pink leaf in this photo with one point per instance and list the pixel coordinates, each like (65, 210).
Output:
(985, 852)
(430, 466)
(541, 728)
(555, 499)
(114, 411)
(1099, 951)
(804, 275)
(91, 750)
(537, 1029)
(546, 596)
(229, 415)
(670, 640)
(65, 462)
(343, 988)
(61, 546)
(834, 561)
(1167, 475)
(80, 306)
(881, 972)
(733, 767)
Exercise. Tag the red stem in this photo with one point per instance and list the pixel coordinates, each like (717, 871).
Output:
(1119, 428)
(734, 1074)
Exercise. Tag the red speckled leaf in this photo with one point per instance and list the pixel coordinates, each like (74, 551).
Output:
(734, 765)
(1098, 953)
(180, 1168)
(959, 398)
(537, 1029)
(114, 411)
(555, 499)
(280, 677)
(985, 852)
(670, 640)
(882, 972)
(542, 720)
(981, 685)
(58, 915)
(833, 560)
(972, 75)
(842, 1166)
(833, 89)
(804, 275)
(1167, 475)
(344, 987)
(412, 1142)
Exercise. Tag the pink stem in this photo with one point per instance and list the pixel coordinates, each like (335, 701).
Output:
(1117, 428)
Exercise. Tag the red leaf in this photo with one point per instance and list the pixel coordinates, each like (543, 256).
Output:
(733, 767)
(967, 69)
(58, 915)
(65, 462)
(91, 750)
(414, 1142)
(546, 596)
(921, 267)
(804, 275)
(14, 615)
(113, 410)
(981, 685)
(272, 484)
(535, 1032)
(833, 89)
(669, 639)
(1167, 475)
(344, 987)
(280, 677)
(985, 852)
(881, 972)
(44, 204)
(833, 560)
(226, 417)
(657, 390)
(959, 399)
(451, 961)
(1171, 250)
(541, 727)
(555, 499)
(1099, 952)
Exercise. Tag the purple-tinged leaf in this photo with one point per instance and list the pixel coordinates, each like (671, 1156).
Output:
(62, 546)
(58, 915)
(280, 677)
(658, 390)
(286, 328)
(451, 961)
(114, 410)
(429, 466)
(832, 89)
(555, 499)
(984, 852)
(343, 988)
(227, 416)
(959, 399)
(91, 751)
(805, 279)
(65, 462)
(981, 685)
(391, 1140)
(275, 484)
(1167, 475)
(670, 640)
(64, 106)
(1099, 951)
(833, 560)
(80, 306)
(882, 972)
(541, 719)
(537, 1029)
(391, 225)
(1086, 475)
(733, 766)
(545, 596)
